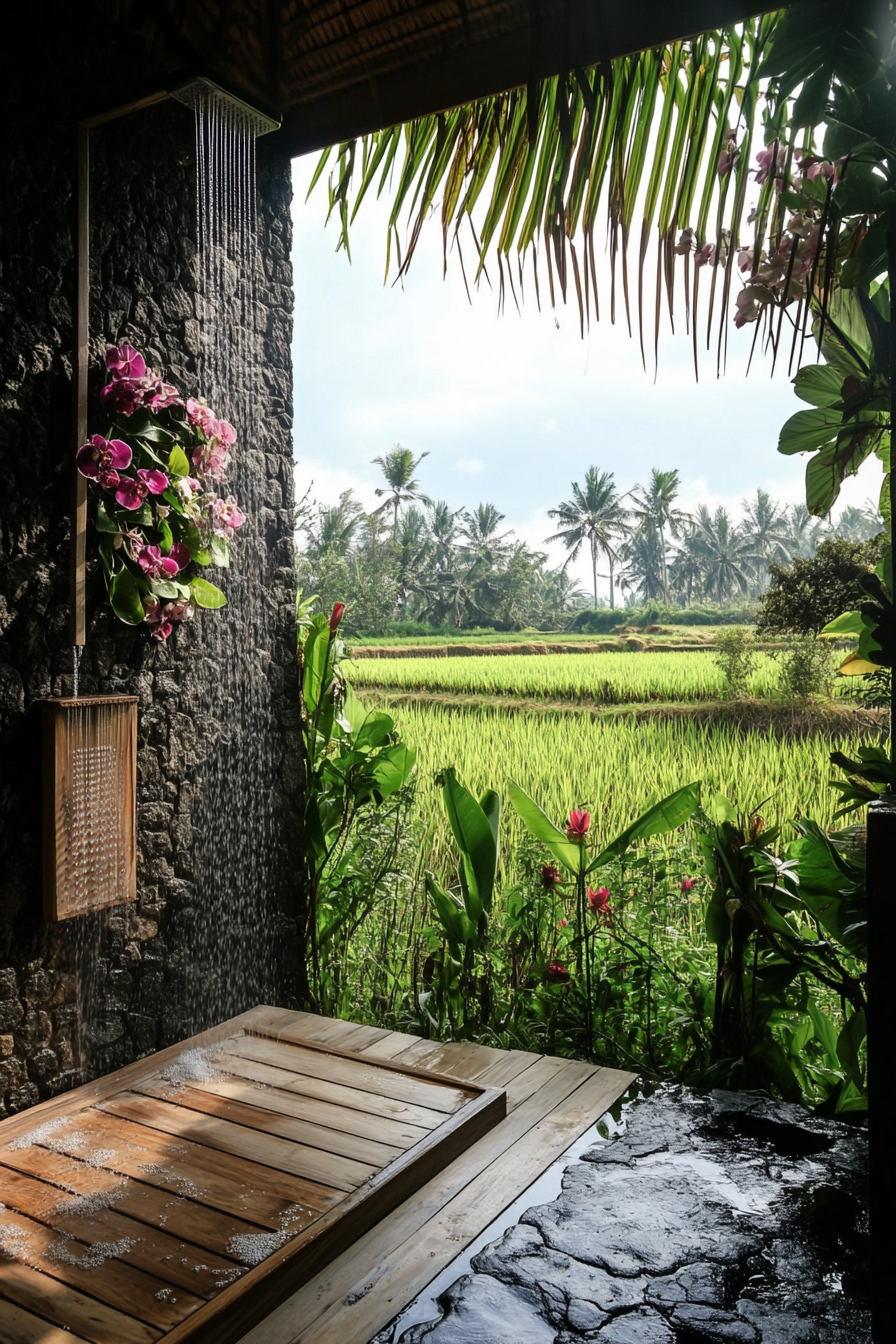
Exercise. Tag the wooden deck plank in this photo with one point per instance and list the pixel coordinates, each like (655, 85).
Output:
(400, 1276)
(350, 1098)
(267, 1150)
(145, 1203)
(119, 1285)
(21, 1327)
(249, 1107)
(463, 1060)
(61, 1305)
(172, 1259)
(542, 1088)
(396, 1134)
(372, 1078)
(390, 1045)
(233, 1185)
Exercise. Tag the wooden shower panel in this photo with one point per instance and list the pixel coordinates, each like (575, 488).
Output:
(90, 804)
(185, 1197)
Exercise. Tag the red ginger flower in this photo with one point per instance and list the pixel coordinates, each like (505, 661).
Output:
(578, 826)
(599, 903)
(336, 616)
(550, 877)
(556, 973)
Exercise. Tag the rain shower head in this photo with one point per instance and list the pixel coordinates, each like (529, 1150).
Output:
(203, 95)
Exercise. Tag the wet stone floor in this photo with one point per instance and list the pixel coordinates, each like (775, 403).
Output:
(706, 1218)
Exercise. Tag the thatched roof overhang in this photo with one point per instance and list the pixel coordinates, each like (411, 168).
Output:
(340, 68)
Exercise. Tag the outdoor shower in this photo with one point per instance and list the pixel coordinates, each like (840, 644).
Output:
(90, 742)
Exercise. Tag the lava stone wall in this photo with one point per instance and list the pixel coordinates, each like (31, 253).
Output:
(90, 994)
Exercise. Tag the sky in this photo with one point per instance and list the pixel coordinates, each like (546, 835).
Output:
(510, 409)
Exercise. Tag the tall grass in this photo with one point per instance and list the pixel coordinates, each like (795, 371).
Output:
(607, 678)
(616, 769)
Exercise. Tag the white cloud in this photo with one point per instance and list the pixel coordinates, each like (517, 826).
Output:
(470, 466)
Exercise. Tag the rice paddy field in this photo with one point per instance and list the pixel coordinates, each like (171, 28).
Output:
(610, 733)
(604, 678)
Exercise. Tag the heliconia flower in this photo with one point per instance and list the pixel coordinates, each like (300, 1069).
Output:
(599, 902)
(336, 616)
(563, 924)
(578, 826)
(122, 396)
(101, 460)
(155, 481)
(556, 973)
(550, 877)
(123, 361)
(688, 884)
(226, 517)
(161, 616)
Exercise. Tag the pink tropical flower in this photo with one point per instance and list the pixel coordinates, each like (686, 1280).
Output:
(550, 877)
(556, 973)
(771, 162)
(130, 493)
(729, 152)
(122, 396)
(578, 826)
(688, 884)
(201, 416)
(335, 615)
(155, 481)
(162, 616)
(123, 361)
(563, 924)
(158, 566)
(705, 255)
(225, 433)
(210, 459)
(101, 460)
(599, 902)
(156, 395)
(227, 517)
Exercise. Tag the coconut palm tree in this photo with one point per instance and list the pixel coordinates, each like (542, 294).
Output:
(687, 570)
(335, 527)
(398, 467)
(765, 524)
(655, 503)
(729, 556)
(642, 560)
(443, 531)
(859, 524)
(595, 515)
(803, 532)
(481, 532)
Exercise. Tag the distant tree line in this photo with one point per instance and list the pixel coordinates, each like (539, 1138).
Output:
(415, 559)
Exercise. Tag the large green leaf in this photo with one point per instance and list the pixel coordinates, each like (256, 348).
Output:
(808, 430)
(459, 929)
(476, 841)
(124, 594)
(831, 888)
(819, 384)
(662, 817)
(542, 828)
(391, 768)
(205, 594)
(178, 462)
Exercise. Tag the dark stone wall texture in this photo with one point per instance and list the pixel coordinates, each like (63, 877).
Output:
(213, 929)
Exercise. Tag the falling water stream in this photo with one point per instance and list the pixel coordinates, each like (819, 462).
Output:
(234, 939)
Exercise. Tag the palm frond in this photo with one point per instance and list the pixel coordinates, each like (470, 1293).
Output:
(536, 170)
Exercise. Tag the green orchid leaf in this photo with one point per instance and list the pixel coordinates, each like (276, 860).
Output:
(105, 522)
(205, 594)
(219, 550)
(124, 596)
(168, 591)
(166, 536)
(178, 462)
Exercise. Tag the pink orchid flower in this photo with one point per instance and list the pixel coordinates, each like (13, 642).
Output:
(201, 416)
(123, 361)
(131, 494)
(122, 396)
(158, 566)
(101, 460)
(227, 517)
(162, 616)
(705, 255)
(578, 826)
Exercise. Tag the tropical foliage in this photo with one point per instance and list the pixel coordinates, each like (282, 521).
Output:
(462, 567)
(158, 471)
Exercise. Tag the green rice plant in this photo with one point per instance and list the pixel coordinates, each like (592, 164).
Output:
(605, 678)
(615, 768)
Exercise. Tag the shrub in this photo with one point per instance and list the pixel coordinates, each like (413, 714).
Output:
(808, 667)
(804, 595)
(735, 658)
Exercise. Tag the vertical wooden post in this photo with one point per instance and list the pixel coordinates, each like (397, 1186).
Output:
(78, 623)
(881, 884)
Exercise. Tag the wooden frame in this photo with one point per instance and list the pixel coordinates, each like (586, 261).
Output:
(233, 1136)
(90, 804)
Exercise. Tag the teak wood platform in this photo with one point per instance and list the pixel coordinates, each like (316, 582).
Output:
(349, 1160)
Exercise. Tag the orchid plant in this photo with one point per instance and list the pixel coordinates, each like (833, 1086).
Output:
(160, 509)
